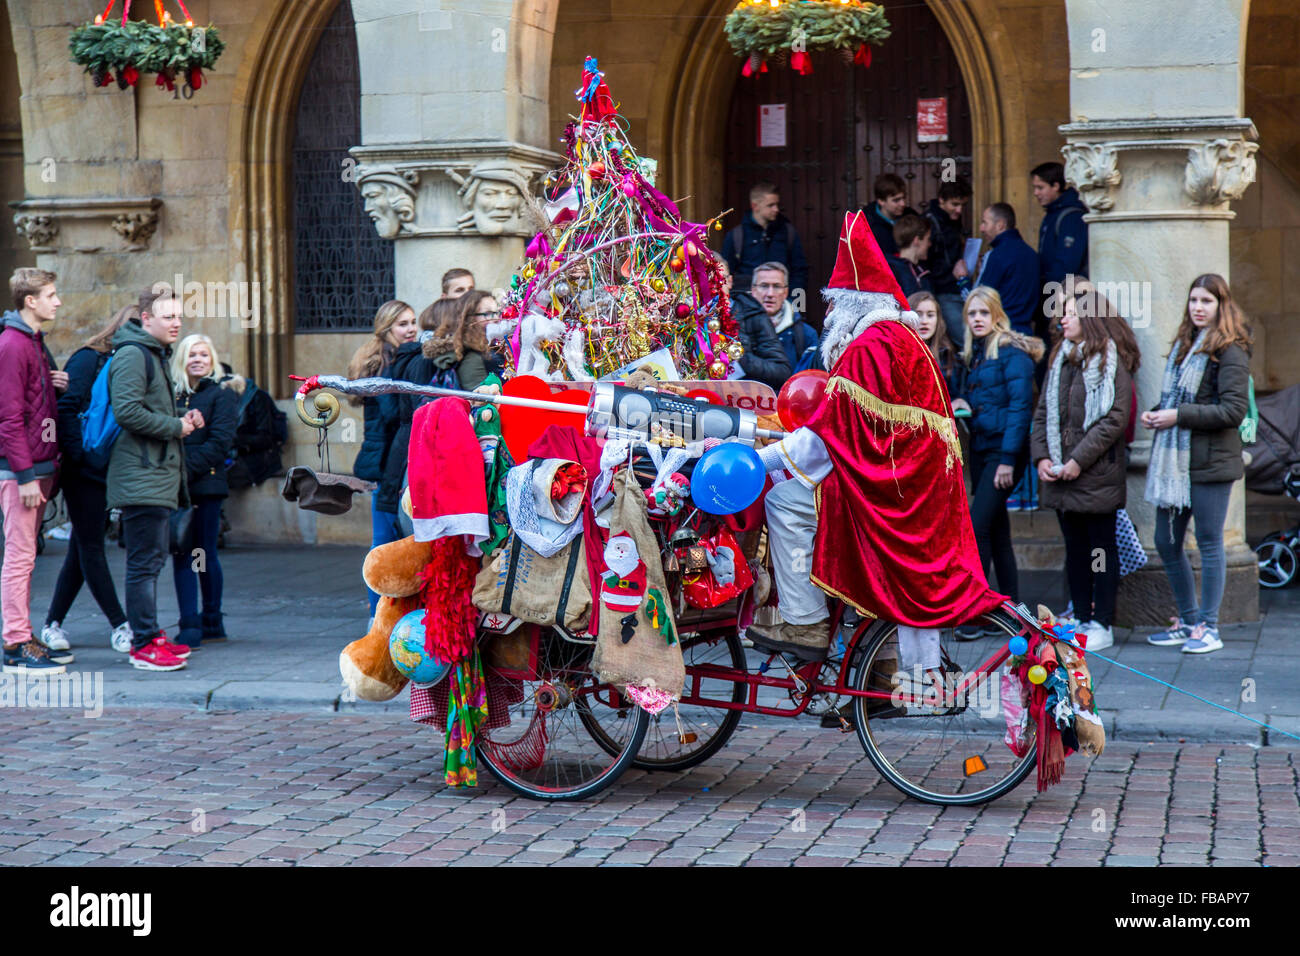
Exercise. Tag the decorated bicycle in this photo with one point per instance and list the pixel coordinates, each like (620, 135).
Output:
(575, 606)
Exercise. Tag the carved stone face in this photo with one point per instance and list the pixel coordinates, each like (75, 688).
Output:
(495, 206)
(379, 207)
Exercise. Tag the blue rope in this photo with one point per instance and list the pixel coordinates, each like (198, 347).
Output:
(1134, 670)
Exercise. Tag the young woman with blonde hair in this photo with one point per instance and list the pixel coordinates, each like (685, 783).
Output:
(85, 495)
(998, 390)
(1196, 454)
(197, 373)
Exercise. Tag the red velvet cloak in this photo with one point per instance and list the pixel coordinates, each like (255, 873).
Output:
(894, 535)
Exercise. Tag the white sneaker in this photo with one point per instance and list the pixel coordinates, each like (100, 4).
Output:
(1100, 636)
(1203, 640)
(122, 637)
(54, 637)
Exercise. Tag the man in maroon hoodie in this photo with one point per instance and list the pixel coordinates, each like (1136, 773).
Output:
(29, 460)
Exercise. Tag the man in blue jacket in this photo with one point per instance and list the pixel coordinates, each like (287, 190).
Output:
(1063, 235)
(1011, 267)
(765, 235)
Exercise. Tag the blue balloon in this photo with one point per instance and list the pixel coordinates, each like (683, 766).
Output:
(729, 478)
(1018, 646)
(406, 648)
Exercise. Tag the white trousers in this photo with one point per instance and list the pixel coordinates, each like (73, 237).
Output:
(791, 531)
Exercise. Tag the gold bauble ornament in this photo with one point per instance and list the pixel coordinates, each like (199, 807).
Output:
(658, 284)
(717, 370)
(715, 325)
(529, 272)
(736, 351)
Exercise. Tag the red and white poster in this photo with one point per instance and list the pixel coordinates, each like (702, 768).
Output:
(771, 124)
(932, 120)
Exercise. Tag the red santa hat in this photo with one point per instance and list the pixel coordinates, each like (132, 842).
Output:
(446, 497)
(862, 287)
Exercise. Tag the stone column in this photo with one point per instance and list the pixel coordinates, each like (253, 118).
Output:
(454, 118)
(1158, 149)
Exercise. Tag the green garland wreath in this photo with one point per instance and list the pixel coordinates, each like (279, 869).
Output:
(756, 28)
(143, 47)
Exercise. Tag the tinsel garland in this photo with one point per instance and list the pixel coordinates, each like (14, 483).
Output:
(137, 47)
(756, 28)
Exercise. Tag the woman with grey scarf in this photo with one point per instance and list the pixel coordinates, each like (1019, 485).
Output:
(1196, 454)
(1077, 444)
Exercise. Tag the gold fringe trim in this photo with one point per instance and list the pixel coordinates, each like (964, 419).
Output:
(909, 416)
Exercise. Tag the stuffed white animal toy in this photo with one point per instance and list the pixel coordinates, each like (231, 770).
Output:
(534, 329)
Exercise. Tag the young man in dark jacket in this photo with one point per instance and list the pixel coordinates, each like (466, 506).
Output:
(912, 237)
(1062, 235)
(146, 471)
(1011, 267)
(890, 205)
(945, 262)
(764, 235)
(29, 461)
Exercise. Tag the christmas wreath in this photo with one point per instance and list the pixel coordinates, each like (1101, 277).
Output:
(125, 49)
(759, 29)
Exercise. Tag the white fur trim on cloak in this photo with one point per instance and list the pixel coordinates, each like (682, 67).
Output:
(853, 314)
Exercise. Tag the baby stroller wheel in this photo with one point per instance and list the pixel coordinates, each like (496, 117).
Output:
(1277, 563)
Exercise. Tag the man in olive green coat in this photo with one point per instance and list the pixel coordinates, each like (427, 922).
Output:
(146, 472)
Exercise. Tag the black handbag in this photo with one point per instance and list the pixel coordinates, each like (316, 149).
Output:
(180, 525)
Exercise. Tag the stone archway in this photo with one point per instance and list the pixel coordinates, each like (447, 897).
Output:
(692, 113)
(261, 127)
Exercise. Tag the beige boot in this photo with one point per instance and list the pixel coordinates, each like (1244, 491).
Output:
(807, 641)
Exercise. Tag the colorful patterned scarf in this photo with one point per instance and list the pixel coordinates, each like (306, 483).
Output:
(466, 711)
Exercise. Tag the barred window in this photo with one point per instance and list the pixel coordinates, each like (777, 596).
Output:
(343, 271)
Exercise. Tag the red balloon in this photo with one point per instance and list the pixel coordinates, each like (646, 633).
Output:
(800, 397)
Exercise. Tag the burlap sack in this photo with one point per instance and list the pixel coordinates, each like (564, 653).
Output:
(647, 656)
(520, 582)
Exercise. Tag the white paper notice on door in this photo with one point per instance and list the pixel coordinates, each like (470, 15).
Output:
(771, 124)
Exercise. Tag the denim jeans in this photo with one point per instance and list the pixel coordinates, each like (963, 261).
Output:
(205, 528)
(1210, 509)
(144, 531)
(384, 528)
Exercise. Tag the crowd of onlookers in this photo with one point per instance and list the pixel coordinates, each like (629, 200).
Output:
(1040, 368)
(138, 426)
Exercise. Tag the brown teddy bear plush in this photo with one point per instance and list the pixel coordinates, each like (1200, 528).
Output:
(393, 572)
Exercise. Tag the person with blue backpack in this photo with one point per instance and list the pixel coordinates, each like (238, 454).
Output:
(85, 494)
(141, 435)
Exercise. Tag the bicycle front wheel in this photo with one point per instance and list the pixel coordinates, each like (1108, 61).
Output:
(950, 752)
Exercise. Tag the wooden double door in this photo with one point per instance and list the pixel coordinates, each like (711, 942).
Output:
(844, 125)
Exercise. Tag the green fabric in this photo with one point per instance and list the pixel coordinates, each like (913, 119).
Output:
(487, 425)
(1250, 424)
(147, 466)
(472, 371)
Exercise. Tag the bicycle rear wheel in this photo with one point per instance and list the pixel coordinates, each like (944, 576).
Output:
(953, 755)
(703, 730)
(544, 750)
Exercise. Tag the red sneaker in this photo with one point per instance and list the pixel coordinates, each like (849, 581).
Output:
(153, 657)
(180, 651)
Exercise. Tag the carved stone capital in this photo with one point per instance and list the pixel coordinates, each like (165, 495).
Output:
(1092, 168)
(74, 224)
(462, 189)
(1219, 171)
(39, 231)
(137, 228)
(390, 198)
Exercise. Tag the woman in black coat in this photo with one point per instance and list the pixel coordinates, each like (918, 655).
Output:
(85, 495)
(195, 370)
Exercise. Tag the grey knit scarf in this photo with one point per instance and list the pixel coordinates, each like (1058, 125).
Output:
(1099, 392)
(1169, 482)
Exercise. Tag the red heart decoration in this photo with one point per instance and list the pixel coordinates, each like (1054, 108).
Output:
(520, 427)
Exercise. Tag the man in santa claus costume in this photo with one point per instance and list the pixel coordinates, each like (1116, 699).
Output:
(869, 504)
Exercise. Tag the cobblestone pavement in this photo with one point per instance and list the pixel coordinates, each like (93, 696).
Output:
(164, 786)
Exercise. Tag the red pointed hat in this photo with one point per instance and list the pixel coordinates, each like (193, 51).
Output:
(860, 265)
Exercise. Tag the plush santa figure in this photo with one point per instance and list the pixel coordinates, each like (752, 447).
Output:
(623, 582)
(875, 490)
